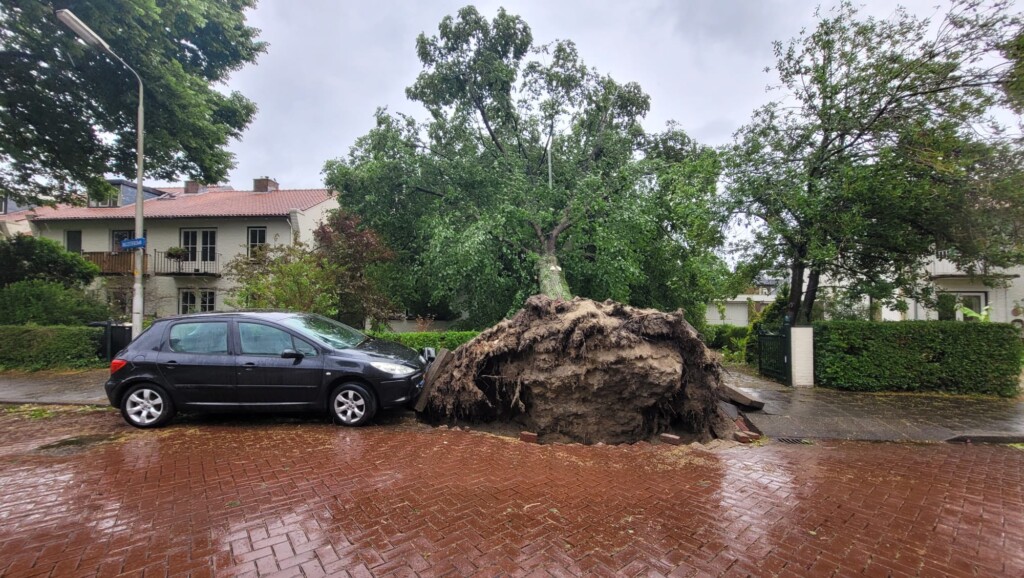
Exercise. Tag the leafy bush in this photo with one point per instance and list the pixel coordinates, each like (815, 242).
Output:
(918, 356)
(32, 347)
(48, 303)
(437, 339)
(724, 336)
(24, 257)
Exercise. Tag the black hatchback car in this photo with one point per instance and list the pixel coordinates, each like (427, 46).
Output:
(260, 361)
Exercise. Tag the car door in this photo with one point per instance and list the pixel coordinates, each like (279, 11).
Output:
(197, 364)
(266, 378)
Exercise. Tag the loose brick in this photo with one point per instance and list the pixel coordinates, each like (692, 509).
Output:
(528, 437)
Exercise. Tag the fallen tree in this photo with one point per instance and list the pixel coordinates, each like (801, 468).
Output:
(585, 371)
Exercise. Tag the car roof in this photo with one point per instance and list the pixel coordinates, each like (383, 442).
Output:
(261, 314)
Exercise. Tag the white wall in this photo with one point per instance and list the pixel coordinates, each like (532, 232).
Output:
(162, 292)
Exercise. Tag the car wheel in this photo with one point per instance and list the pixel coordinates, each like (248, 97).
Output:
(352, 404)
(147, 405)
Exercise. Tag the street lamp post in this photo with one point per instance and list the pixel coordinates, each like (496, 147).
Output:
(92, 39)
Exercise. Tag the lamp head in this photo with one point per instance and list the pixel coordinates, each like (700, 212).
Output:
(69, 19)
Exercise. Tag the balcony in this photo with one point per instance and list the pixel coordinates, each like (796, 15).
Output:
(164, 265)
(121, 263)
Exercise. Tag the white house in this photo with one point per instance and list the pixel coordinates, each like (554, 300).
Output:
(736, 311)
(999, 289)
(211, 225)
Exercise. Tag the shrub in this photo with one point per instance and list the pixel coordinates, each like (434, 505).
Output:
(48, 303)
(33, 347)
(918, 356)
(24, 257)
(724, 336)
(437, 339)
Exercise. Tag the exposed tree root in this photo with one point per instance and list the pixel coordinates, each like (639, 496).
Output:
(586, 370)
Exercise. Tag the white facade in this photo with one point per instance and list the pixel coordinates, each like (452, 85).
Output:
(1004, 293)
(194, 283)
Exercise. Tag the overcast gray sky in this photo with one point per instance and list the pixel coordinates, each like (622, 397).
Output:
(331, 63)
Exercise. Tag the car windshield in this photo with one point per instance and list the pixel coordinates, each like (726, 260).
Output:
(329, 331)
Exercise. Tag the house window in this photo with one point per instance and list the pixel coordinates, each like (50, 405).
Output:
(117, 236)
(972, 302)
(73, 241)
(257, 238)
(197, 301)
(201, 244)
(102, 203)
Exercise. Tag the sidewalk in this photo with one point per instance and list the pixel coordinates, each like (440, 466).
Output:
(83, 387)
(829, 414)
(815, 413)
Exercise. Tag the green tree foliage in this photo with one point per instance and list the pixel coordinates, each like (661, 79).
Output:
(67, 111)
(1014, 81)
(880, 151)
(48, 303)
(27, 258)
(330, 278)
(532, 174)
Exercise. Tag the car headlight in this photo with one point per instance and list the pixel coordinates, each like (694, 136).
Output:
(396, 369)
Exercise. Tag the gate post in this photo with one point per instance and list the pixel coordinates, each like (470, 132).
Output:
(801, 360)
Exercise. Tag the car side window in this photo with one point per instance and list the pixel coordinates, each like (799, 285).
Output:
(259, 339)
(200, 337)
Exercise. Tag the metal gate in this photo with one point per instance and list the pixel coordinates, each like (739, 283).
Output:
(773, 354)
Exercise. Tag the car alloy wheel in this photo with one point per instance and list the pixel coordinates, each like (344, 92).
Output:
(352, 405)
(147, 406)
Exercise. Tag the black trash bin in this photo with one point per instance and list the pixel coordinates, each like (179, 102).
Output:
(115, 337)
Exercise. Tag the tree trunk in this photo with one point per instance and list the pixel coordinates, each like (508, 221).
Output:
(551, 277)
(810, 296)
(796, 289)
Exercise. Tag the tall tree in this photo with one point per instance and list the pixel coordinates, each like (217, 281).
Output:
(880, 151)
(67, 111)
(531, 174)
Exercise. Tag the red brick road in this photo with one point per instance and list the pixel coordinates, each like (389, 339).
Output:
(264, 498)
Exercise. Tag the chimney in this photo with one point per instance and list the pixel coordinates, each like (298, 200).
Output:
(192, 187)
(264, 185)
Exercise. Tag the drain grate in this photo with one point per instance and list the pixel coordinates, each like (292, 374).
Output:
(795, 441)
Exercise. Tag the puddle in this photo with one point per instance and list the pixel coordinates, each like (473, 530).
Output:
(76, 444)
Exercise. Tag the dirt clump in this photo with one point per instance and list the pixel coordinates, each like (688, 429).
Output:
(584, 371)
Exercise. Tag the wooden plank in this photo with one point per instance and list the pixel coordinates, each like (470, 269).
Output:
(444, 357)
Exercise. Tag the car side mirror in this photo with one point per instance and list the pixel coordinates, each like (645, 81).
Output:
(291, 354)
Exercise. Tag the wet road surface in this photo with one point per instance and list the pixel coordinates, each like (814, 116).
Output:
(82, 494)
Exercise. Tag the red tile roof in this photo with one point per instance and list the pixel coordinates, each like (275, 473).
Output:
(211, 204)
(13, 217)
(179, 190)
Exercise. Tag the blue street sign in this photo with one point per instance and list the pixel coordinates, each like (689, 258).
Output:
(133, 243)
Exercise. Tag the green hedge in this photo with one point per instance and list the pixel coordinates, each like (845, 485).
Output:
(437, 339)
(944, 356)
(45, 347)
(724, 336)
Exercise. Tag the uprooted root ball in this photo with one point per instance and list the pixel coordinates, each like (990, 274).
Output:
(586, 370)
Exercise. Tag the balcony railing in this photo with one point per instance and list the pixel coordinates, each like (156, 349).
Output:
(164, 265)
(121, 263)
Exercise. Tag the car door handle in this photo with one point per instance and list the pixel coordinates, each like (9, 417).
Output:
(170, 364)
(249, 366)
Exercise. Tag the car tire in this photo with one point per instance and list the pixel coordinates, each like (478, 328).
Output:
(146, 405)
(352, 404)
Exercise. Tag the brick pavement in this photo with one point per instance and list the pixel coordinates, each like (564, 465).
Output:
(258, 497)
